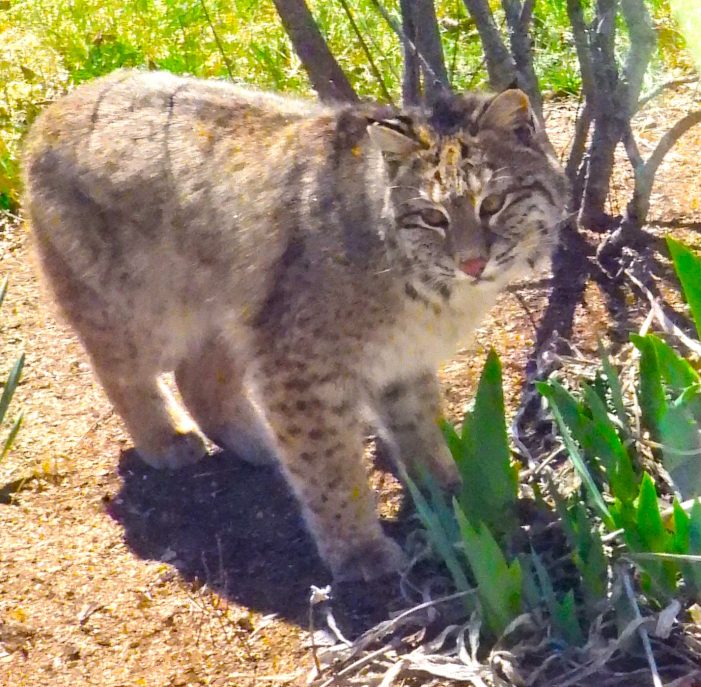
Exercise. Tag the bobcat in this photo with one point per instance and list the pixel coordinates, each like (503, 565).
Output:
(294, 264)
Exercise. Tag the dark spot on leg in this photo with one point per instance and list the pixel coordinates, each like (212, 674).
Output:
(393, 392)
(341, 408)
(296, 385)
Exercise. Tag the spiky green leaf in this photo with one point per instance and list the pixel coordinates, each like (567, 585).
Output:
(575, 456)
(499, 584)
(10, 386)
(614, 384)
(485, 452)
(688, 268)
(651, 393)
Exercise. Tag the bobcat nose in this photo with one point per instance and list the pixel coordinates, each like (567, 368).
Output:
(473, 266)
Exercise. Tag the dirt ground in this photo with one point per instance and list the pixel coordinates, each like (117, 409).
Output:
(116, 575)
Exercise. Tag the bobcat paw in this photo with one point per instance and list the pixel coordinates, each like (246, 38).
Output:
(446, 472)
(373, 559)
(248, 446)
(184, 449)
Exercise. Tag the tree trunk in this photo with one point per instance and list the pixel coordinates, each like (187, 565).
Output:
(500, 64)
(518, 19)
(428, 43)
(609, 121)
(614, 98)
(326, 76)
(411, 86)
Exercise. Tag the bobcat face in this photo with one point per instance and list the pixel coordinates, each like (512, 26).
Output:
(476, 196)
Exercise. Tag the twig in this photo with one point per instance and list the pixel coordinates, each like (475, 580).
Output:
(318, 595)
(577, 675)
(405, 40)
(663, 320)
(639, 205)
(526, 309)
(368, 658)
(579, 144)
(454, 56)
(384, 628)
(632, 150)
(654, 556)
(669, 139)
(642, 632)
(217, 41)
(376, 72)
(662, 88)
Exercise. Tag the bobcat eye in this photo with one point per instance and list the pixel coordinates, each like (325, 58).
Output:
(491, 204)
(434, 217)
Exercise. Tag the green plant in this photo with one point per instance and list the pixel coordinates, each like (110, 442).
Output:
(8, 391)
(482, 519)
(482, 448)
(46, 46)
(597, 426)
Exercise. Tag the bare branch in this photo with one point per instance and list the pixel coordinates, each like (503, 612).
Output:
(579, 143)
(220, 47)
(632, 150)
(606, 95)
(518, 19)
(454, 55)
(639, 206)
(581, 43)
(428, 41)
(326, 76)
(376, 72)
(411, 83)
(406, 41)
(642, 44)
(501, 66)
(673, 83)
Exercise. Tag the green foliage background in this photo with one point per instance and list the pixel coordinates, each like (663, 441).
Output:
(48, 45)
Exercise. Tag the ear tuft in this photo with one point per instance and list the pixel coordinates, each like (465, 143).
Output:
(510, 110)
(386, 137)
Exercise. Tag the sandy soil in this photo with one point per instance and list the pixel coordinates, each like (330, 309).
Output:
(115, 575)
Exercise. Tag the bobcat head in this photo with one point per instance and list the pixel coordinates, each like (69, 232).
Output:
(475, 194)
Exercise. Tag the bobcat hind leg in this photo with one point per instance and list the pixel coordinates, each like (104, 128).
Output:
(211, 384)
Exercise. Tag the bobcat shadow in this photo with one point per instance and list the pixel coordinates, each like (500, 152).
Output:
(237, 528)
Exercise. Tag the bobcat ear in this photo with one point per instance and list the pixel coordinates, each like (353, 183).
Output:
(509, 110)
(392, 136)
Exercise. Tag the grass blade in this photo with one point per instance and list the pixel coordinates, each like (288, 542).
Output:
(3, 289)
(11, 437)
(438, 536)
(615, 387)
(10, 386)
(688, 267)
(576, 458)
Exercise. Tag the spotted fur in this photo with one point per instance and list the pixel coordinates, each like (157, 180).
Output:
(298, 266)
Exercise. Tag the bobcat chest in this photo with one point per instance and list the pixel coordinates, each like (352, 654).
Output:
(427, 334)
